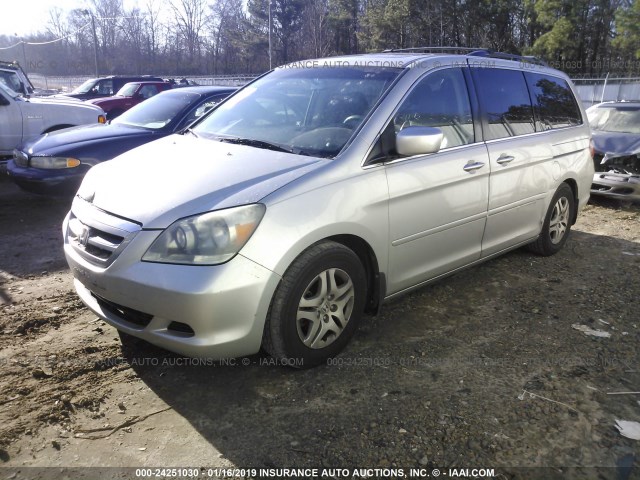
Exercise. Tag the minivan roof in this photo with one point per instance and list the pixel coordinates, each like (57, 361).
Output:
(405, 58)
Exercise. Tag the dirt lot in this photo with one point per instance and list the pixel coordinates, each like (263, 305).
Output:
(483, 369)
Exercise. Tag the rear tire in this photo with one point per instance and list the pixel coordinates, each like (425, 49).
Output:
(317, 306)
(557, 223)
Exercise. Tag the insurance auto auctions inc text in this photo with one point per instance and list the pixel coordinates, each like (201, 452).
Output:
(347, 473)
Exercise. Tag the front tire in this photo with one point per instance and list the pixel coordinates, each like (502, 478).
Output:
(317, 307)
(557, 223)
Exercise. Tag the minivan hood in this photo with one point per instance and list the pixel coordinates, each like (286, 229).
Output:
(181, 175)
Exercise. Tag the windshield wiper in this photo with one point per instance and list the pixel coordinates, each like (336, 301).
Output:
(256, 143)
(190, 130)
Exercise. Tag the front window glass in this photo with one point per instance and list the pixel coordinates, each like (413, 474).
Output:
(11, 81)
(128, 90)
(86, 86)
(440, 100)
(105, 87)
(157, 112)
(7, 90)
(621, 119)
(148, 91)
(309, 111)
(202, 108)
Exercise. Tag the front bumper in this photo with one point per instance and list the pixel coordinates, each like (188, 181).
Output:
(198, 311)
(616, 185)
(48, 182)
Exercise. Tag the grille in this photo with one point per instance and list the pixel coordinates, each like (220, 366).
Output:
(98, 236)
(95, 242)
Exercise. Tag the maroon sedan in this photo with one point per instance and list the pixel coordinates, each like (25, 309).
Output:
(128, 96)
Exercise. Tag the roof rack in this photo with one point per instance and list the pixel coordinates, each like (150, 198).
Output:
(471, 51)
(432, 50)
(508, 56)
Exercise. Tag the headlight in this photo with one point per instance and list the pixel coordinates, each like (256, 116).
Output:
(206, 239)
(54, 162)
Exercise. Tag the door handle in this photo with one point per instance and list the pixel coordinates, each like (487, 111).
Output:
(472, 166)
(504, 159)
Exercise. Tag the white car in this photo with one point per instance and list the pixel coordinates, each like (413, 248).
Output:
(22, 117)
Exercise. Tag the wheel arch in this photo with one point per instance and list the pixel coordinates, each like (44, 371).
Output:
(574, 188)
(376, 282)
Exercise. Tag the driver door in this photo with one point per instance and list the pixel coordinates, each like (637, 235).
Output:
(437, 202)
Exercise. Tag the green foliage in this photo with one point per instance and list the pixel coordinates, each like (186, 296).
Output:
(628, 29)
(591, 37)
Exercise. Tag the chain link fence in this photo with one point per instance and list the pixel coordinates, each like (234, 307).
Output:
(596, 90)
(50, 84)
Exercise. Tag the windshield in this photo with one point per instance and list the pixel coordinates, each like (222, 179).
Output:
(128, 90)
(620, 119)
(158, 111)
(309, 111)
(86, 86)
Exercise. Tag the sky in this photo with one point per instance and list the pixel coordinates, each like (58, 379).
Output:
(23, 17)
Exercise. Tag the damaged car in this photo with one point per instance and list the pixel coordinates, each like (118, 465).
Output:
(616, 143)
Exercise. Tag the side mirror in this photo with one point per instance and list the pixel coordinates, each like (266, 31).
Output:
(3, 101)
(418, 141)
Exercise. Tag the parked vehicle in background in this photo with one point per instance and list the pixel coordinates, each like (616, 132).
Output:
(14, 77)
(22, 118)
(615, 130)
(183, 82)
(128, 96)
(56, 163)
(323, 189)
(107, 86)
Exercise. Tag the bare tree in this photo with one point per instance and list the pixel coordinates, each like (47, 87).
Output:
(152, 28)
(133, 30)
(316, 28)
(190, 17)
(228, 30)
(107, 14)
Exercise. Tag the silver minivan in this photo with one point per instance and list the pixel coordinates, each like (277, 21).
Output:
(321, 190)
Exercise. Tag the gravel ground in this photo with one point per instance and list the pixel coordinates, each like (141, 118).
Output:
(490, 368)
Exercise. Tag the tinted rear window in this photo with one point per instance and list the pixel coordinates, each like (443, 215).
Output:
(554, 105)
(505, 99)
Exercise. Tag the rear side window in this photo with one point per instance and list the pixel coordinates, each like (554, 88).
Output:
(554, 105)
(505, 99)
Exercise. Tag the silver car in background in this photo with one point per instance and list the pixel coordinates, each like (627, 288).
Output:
(615, 132)
(322, 189)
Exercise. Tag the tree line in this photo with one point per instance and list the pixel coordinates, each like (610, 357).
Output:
(218, 37)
